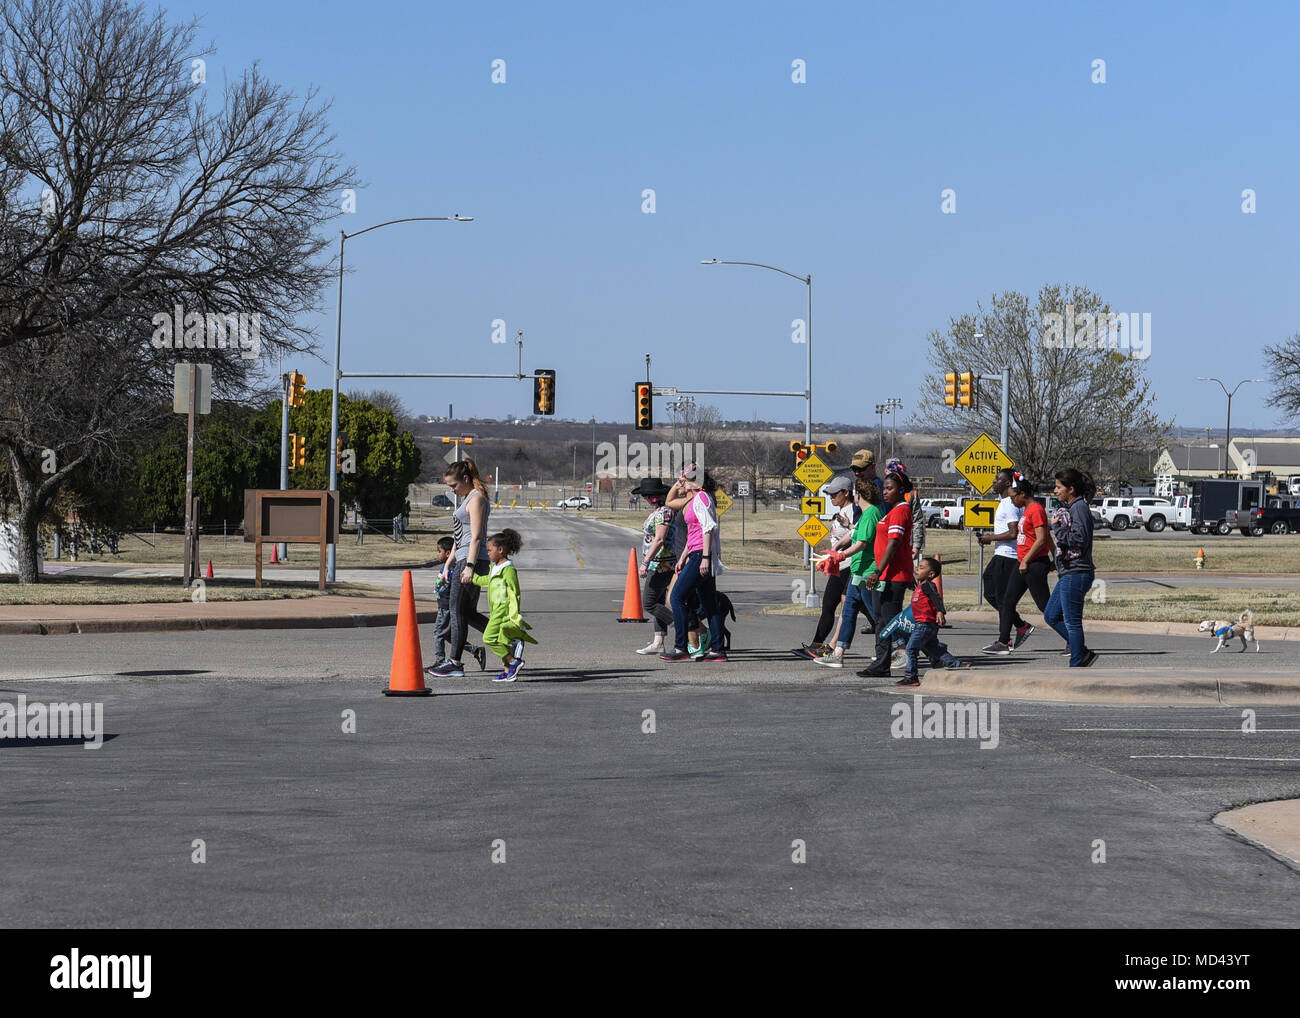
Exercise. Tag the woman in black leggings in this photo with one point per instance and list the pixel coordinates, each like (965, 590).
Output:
(469, 530)
(840, 492)
(1034, 555)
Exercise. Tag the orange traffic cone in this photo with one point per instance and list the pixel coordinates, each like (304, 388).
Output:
(632, 610)
(209, 576)
(274, 556)
(406, 676)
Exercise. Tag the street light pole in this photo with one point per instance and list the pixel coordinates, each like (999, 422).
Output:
(808, 406)
(331, 454)
(1227, 434)
(893, 405)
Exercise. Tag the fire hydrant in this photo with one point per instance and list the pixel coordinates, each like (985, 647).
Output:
(1200, 558)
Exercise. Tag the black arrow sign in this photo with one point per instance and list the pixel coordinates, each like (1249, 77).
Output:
(984, 510)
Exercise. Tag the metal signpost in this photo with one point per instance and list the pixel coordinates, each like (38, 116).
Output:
(192, 394)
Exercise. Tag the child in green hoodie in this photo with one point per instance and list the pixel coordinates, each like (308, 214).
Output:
(506, 629)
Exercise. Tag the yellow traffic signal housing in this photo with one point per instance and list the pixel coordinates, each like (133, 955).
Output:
(297, 451)
(543, 392)
(644, 411)
(830, 447)
(799, 449)
(966, 389)
(950, 388)
(297, 389)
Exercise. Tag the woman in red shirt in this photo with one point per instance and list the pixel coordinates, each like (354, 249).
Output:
(892, 572)
(1034, 551)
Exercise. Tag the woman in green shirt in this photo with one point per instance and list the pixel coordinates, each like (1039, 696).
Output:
(857, 594)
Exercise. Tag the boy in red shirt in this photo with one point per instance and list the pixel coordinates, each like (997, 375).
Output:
(928, 611)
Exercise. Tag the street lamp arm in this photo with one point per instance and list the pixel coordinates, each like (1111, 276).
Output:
(760, 265)
(412, 219)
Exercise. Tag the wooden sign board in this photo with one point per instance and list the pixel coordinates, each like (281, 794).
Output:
(294, 517)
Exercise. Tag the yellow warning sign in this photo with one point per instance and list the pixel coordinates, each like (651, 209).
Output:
(981, 461)
(813, 506)
(722, 500)
(813, 472)
(813, 530)
(979, 513)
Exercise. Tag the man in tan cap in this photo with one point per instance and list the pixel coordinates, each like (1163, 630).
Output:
(864, 464)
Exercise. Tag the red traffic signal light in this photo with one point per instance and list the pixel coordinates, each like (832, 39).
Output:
(644, 411)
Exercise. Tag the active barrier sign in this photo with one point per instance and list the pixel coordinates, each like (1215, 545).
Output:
(980, 463)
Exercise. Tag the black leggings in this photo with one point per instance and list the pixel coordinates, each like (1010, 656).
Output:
(656, 600)
(464, 607)
(830, 606)
(891, 600)
(1034, 580)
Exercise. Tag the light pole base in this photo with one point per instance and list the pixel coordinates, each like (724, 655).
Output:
(812, 601)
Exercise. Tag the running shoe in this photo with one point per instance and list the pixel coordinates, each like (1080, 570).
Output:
(698, 653)
(829, 661)
(449, 670)
(706, 639)
(899, 658)
(1088, 658)
(1022, 634)
(908, 681)
(503, 676)
(433, 668)
(479, 655)
(997, 647)
(651, 648)
(714, 655)
(676, 655)
(512, 669)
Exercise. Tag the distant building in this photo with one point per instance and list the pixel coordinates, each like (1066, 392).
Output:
(1246, 456)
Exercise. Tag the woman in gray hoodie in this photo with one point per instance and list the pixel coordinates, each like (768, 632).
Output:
(1072, 530)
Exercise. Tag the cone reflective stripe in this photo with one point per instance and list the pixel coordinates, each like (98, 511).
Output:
(406, 676)
(632, 610)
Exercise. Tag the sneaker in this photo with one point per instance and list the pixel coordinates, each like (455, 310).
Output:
(998, 647)
(512, 669)
(479, 655)
(706, 639)
(957, 664)
(867, 630)
(1022, 634)
(449, 670)
(697, 653)
(908, 681)
(829, 661)
(1089, 658)
(714, 655)
(872, 672)
(652, 648)
(676, 655)
(899, 658)
(503, 677)
(433, 668)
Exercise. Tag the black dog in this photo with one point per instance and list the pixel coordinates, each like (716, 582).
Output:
(725, 608)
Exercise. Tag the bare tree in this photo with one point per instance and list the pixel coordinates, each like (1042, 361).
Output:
(695, 424)
(137, 224)
(1071, 401)
(1284, 372)
(385, 399)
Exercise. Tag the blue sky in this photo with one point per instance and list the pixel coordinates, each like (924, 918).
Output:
(1132, 187)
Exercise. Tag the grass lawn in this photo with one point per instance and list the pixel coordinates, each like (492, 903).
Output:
(131, 590)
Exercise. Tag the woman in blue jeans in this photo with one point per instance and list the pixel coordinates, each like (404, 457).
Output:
(1072, 529)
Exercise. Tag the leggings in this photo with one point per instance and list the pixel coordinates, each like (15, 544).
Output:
(464, 607)
(1034, 580)
(830, 606)
(891, 601)
(656, 600)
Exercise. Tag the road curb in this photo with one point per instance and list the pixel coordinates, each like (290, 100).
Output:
(1280, 633)
(88, 627)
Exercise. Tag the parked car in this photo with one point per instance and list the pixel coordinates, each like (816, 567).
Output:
(1152, 513)
(574, 502)
(1116, 513)
(1094, 505)
(932, 509)
(952, 515)
(1293, 485)
(1276, 516)
(442, 502)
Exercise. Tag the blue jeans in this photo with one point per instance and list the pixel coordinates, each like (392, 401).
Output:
(688, 580)
(1064, 612)
(857, 598)
(925, 640)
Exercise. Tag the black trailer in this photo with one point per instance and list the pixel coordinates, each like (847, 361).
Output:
(1213, 499)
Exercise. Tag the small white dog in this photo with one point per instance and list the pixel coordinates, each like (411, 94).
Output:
(1243, 629)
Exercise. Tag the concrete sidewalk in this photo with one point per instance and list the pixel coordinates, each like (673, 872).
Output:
(328, 611)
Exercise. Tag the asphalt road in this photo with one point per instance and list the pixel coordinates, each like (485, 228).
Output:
(236, 739)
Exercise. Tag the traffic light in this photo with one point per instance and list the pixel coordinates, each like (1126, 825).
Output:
(297, 451)
(800, 450)
(966, 389)
(830, 447)
(950, 388)
(644, 413)
(297, 389)
(340, 444)
(543, 392)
